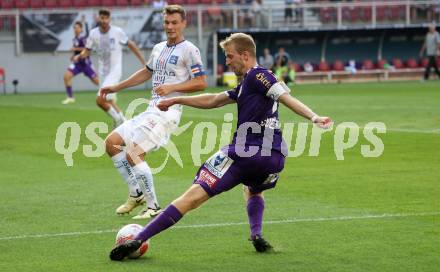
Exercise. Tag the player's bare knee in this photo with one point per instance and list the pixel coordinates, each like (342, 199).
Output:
(134, 156)
(112, 145)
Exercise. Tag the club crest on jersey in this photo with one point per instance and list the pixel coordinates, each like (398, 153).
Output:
(218, 164)
(173, 59)
(219, 159)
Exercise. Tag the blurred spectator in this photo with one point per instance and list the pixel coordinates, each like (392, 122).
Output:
(256, 10)
(283, 56)
(215, 13)
(308, 67)
(291, 73)
(432, 46)
(298, 10)
(351, 67)
(245, 14)
(281, 70)
(267, 59)
(158, 4)
(288, 11)
(228, 13)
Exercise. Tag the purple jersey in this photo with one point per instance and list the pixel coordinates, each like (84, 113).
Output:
(258, 123)
(80, 41)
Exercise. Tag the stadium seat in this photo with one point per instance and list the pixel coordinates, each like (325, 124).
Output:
(3, 78)
(368, 65)
(424, 62)
(122, 3)
(411, 63)
(192, 2)
(36, 4)
(323, 66)
(381, 13)
(397, 63)
(397, 13)
(50, 3)
(350, 14)
(93, 3)
(22, 4)
(80, 3)
(108, 3)
(437, 61)
(365, 14)
(381, 63)
(205, 2)
(327, 15)
(136, 2)
(65, 3)
(7, 4)
(338, 65)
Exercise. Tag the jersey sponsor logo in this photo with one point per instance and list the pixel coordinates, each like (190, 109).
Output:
(218, 164)
(173, 59)
(207, 178)
(263, 79)
(272, 123)
(164, 73)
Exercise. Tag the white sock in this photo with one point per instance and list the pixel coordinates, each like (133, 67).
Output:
(126, 170)
(145, 180)
(118, 117)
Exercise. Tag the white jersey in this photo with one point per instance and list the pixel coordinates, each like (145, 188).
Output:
(173, 64)
(109, 47)
(169, 65)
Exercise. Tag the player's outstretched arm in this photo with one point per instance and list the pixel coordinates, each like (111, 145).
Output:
(193, 85)
(133, 47)
(202, 101)
(301, 109)
(135, 79)
(84, 54)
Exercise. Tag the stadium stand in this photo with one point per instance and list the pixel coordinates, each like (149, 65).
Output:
(3, 78)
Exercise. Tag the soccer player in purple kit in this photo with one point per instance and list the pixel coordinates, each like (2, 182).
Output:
(254, 158)
(82, 65)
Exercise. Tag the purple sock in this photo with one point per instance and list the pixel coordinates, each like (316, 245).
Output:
(255, 209)
(69, 91)
(164, 220)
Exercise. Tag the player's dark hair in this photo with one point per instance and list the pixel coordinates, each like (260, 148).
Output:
(171, 9)
(104, 12)
(78, 23)
(242, 42)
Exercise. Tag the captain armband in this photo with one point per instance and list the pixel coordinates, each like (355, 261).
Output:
(277, 90)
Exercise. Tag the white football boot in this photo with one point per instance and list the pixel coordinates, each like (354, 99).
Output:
(148, 213)
(68, 100)
(130, 204)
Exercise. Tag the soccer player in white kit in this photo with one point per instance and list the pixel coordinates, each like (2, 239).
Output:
(108, 41)
(175, 67)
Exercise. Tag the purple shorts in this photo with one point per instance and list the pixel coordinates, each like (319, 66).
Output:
(225, 170)
(87, 69)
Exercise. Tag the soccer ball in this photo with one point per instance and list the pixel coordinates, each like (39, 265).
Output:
(128, 233)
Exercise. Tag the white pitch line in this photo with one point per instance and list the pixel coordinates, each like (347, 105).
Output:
(214, 225)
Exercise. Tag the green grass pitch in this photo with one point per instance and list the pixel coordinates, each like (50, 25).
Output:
(357, 214)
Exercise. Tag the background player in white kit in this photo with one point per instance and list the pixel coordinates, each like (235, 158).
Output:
(175, 67)
(108, 41)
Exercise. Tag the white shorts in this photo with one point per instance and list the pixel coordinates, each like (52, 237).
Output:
(151, 129)
(112, 78)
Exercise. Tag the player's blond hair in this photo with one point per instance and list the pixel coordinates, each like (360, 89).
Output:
(241, 42)
(171, 9)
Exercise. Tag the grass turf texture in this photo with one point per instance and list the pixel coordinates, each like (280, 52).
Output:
(41, 195)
